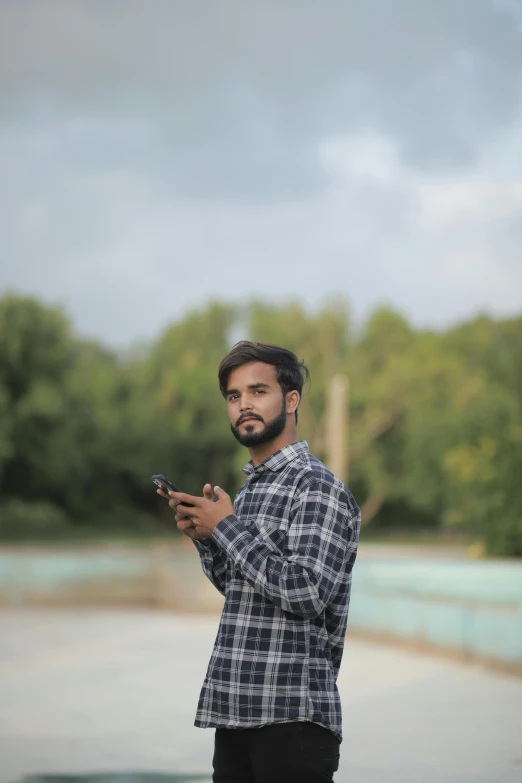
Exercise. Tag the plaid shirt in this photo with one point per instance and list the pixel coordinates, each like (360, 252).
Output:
(284, 564)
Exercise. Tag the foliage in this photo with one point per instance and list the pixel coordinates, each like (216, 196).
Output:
(434, 432)
(20, 519)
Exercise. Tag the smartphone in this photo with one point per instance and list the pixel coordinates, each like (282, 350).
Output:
(166, 484)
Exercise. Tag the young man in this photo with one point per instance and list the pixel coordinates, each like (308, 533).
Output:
(282, 556)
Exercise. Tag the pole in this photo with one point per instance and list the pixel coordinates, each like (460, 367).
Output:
(337, 427)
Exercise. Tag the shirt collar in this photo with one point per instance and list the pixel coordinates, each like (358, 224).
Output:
(278, 460)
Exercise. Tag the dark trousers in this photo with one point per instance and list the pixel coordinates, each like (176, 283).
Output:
(278, 753)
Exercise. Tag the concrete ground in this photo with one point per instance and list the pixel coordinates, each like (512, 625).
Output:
(115, 691)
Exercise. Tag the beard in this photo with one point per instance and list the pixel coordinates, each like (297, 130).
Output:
(270, 431)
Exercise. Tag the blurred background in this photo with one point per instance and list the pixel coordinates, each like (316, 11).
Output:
(341, 179)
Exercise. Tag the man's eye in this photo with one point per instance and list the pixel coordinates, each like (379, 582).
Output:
(259, 391)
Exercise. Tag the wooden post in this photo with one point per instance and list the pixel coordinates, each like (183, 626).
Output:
(336, 430)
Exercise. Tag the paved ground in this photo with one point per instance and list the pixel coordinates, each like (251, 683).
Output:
(91, 691)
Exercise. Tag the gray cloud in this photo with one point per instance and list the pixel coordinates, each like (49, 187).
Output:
(238, 93)
(158, 154)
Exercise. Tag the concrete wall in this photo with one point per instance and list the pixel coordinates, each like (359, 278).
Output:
(159, 575)
(471, 608)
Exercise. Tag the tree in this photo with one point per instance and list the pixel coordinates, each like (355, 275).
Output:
(177, 410)
(435, 417)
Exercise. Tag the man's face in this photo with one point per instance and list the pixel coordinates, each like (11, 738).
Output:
(256, 405)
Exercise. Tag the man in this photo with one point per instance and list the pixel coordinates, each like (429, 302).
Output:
(282, 556)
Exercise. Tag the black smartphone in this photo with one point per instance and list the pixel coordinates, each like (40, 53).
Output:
(166, 484)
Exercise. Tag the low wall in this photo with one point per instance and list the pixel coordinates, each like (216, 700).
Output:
(471, 608)
(160, 575)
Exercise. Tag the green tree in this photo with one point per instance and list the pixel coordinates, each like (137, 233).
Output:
(177, 410)
(321, 339)
(435, 425)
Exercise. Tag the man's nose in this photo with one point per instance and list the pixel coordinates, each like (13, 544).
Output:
(246, 404)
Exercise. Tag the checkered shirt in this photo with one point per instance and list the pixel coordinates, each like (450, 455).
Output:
(284, 563)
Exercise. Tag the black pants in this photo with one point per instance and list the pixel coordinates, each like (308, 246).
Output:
(279, 753)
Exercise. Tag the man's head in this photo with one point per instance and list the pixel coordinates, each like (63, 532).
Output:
(262, 385)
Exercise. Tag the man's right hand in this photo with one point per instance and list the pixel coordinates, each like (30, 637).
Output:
(185, 525)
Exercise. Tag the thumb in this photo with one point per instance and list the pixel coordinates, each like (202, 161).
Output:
(220, 493)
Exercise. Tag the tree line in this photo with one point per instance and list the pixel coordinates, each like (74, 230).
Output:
(434, 432)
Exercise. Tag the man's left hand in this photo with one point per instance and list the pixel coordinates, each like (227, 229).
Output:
(205, 514)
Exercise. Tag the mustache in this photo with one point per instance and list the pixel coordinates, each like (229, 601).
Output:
(248, 416)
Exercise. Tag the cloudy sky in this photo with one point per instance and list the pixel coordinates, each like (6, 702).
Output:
(155, 154)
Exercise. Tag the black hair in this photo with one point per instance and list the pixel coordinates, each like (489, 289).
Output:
(291, 373)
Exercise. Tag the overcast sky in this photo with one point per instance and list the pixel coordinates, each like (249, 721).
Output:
(157, 154)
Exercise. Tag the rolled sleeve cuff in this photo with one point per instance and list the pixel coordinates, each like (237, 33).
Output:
(231, 536)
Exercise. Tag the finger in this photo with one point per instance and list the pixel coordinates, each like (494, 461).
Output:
(163, 494)
(221, 493)
(184, 525)
(182, 497)
(207, 492)
(173, 503)
(180, 515)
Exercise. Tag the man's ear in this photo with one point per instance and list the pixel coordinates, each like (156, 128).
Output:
(293, 399)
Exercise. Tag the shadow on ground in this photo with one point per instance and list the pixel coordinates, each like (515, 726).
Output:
(115, 777)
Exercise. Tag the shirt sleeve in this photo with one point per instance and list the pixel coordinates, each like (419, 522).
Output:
(321, 542)
(213, 562)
